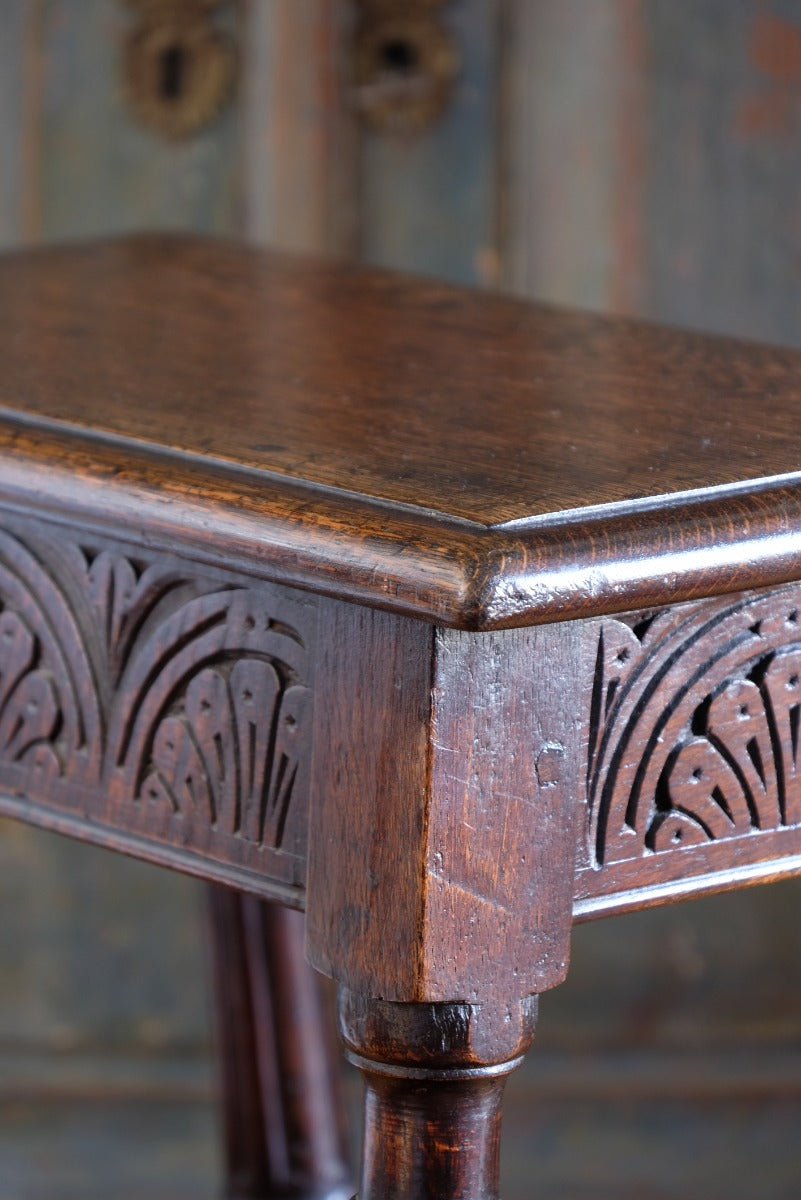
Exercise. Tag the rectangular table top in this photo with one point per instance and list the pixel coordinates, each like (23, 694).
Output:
(458, 456)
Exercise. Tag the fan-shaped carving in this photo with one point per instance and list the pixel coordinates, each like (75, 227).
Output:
(49, 711)
(694, 734)
(213, 708)
(229, 758)
(163, 696)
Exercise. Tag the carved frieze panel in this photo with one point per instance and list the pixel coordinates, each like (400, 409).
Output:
(140, 692)
(693, 735)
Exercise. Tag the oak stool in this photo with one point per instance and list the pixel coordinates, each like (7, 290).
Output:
(442, 618)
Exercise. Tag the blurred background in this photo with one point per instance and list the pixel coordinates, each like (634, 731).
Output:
(634, 156)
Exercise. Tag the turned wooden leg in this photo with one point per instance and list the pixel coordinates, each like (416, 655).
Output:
(434, 1076)
(284, 1115)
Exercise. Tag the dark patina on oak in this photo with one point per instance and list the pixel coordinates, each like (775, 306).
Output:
(469, 459)
(446, 618)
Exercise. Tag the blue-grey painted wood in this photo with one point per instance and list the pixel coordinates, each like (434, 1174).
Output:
(652, 159)
(100, 170)
(428, 199)
(16, 93)
(723, 170)
(96, 950)
(565, 97)
(300, 138)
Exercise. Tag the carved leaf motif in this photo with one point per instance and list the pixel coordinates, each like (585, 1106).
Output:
(111, 587)
(256, 696)
(29, 710)
(695, 727)
(30, 717)
(215, 723)
(49, 709)
(706, 796)
(200, 688)
(781, 688)
(17, 650)
(122, 599)
(284, 765)
(230, 758)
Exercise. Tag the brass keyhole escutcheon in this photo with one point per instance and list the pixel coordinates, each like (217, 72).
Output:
(405, 63)
(178, 66)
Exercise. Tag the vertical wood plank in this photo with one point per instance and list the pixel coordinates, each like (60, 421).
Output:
(570, 146)
(364, 905)
(102, 172)
(427, 200)
(650, 159)
(724, 166)
(300, 139)
(15, 46)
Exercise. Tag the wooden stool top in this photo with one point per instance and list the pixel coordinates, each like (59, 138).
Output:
(186, 426)
(452, 455)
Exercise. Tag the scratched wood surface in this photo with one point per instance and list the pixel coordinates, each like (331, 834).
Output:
(639, 172)
(395, 390)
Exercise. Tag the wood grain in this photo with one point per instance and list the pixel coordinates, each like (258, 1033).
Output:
(364, 909)
(146, 706)
(183, 714)
(371, 457)
(358, 381)
(443, 800)
(503, 783)
(434, 1076)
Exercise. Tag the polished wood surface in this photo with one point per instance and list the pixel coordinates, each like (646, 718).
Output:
(404, 894)
(630, 172)
(470, 459)
(434, 1077)
(481, 409)
(210, 656)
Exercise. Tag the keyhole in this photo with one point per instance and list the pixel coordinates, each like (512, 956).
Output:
(399, 55)
(178, 67)
(173, 69)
